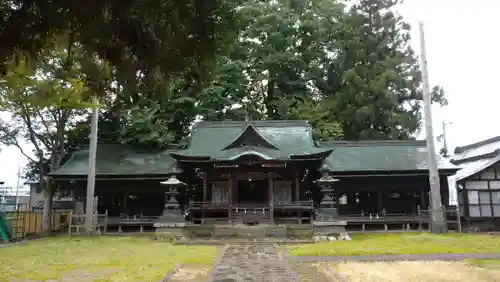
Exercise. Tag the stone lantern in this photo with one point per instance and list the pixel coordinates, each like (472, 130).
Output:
(328, 225)
(327, 207)
(172, 211)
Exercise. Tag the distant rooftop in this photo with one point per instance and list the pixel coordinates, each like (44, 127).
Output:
(484, 149)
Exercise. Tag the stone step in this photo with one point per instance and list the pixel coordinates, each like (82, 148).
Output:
(239, 241)
(250, 216)
(250, 232)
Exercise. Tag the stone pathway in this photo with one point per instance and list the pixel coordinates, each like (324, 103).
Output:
(253, 263)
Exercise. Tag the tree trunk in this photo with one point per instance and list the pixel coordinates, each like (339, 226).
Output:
(269, 101)
(48, 194)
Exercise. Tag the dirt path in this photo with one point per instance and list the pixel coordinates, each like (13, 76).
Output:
(421, 257)
(415, 271)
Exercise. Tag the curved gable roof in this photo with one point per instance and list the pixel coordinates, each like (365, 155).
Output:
(210, 139)
(250, 134)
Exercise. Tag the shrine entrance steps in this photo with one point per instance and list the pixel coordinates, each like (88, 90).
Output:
(243, 231)
(222, 234)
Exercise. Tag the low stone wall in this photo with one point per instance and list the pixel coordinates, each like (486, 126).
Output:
(330, 231)
(199, 231)
(169, 230)
(250, 232)
(319, 231)
(300, 231)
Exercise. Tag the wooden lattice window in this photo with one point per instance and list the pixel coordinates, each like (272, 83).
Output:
(282, 192)
(220, 192)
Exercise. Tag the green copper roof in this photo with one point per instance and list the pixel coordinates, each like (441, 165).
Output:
(225, 140)
(351, 156)
(270, 140)
(266, 153)
(115, 159)
(250, 136)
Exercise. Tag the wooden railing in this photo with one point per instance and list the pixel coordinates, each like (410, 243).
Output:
(132, 219)
(207, 205)
(250, 215)
(295, 206)
(76, 224)
(421, 217)
(238, 212)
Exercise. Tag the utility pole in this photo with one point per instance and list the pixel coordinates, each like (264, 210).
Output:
(89, 210)
(445, 144)
(437, 224)
(445, 140)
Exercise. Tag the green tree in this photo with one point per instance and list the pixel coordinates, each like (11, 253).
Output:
(175, 36)
(318, 115)
(166, 120)
(373, 79)
(44, 103)
(356, 66)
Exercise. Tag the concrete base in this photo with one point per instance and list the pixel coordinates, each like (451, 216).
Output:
(255, 232)
(250, 232)
(438, 227)
(330, 231)
(299, 231)
(318, 231)
(169, 230)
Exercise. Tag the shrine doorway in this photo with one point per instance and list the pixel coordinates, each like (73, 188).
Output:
(253, 191)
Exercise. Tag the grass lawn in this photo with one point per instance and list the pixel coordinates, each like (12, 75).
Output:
(98, 258)
(402, 243)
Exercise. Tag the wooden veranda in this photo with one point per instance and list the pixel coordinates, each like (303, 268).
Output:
(251, 213)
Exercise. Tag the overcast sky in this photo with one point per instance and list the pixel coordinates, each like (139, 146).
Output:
(463, 57)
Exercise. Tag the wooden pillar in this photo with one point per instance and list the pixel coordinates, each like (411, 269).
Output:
(204, 197)
(297, 188)
(234, 179)
(423, 196)
(210, 188)
(380, 200)
(230, 196)
(271, 198)
(412, 200)
(297, 197)
(125, 205)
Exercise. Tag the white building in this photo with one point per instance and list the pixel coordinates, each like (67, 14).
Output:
(478, 183)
